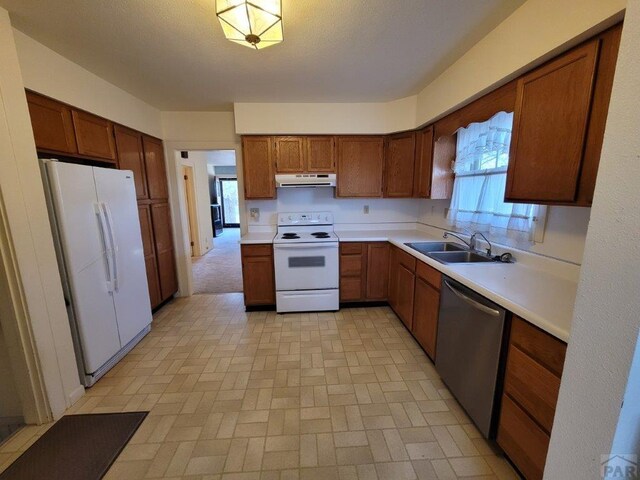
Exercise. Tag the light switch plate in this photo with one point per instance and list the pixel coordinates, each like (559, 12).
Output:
(365, 209)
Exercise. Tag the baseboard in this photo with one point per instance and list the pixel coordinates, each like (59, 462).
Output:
(379, 303)
(76, 395)
(259, 308)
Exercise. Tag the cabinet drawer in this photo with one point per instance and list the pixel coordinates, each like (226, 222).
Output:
(351, 248)
(406, 260)
(429, 274)
(351, 289)
(522, 439)
(351, 265)
(533, 386)
(259, 250)
(542, 347)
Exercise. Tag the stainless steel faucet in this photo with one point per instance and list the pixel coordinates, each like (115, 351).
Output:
(468, 244)
(472, 240)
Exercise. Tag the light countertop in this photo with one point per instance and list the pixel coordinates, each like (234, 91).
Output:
(257, 237)
(536, 295)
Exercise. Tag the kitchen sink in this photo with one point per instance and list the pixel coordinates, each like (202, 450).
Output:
(427, 247)
(465, 256)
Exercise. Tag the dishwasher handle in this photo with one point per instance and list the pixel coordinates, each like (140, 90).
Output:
(474, 303)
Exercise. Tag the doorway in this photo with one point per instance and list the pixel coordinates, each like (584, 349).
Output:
(217, 268)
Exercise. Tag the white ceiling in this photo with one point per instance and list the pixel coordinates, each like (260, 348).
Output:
(173, 54)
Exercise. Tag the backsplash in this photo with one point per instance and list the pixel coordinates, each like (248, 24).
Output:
(563, 239)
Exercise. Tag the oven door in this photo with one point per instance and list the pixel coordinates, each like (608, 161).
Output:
(306, 266)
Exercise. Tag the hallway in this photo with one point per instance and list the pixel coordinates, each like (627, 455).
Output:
(219, 270)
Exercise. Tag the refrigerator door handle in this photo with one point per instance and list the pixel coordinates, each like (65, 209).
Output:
(106, 241)
(114, 246)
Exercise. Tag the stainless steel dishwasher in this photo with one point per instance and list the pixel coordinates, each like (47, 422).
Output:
(470, 341)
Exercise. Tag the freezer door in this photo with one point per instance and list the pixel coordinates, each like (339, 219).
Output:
(117, 198)
(83, 247)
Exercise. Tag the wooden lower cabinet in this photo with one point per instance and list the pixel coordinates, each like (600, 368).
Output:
(150, 259)
(258, 275)
(426, 307)
(364, 268)
(532, 381)
(402, 284)
(163, 242)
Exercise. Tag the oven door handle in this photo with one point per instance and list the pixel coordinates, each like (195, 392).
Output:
(304, 246)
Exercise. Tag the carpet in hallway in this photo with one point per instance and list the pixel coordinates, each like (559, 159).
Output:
(220, 270)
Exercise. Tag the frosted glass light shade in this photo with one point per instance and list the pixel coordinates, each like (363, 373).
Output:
(255, 24)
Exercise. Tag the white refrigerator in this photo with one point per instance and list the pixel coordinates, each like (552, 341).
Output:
(94, 218)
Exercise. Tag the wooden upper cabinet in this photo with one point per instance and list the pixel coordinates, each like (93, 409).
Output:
(423, 163)
(320, 154)
(52, 124)
(550, 126)
(131, 157)
(155, 168)
(257, 163)
(360, 165)
(94, 136)
(289, 154)
(399, 165)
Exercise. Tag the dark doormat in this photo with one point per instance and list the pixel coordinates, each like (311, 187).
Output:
(76, 447)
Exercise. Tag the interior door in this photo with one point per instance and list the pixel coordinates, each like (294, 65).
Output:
(84, 248)
(116, 191)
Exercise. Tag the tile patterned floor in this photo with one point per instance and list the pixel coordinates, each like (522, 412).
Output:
(237, 396)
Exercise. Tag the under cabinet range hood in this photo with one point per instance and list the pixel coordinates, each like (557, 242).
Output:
(299, 180)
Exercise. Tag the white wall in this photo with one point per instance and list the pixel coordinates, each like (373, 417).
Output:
(534, 32)
(49, 73)
(346, 211)
(318, 118)
(199, 127)
(30, 234)
(198, 160)
(627, 436)
(606, 320)
(563, 238)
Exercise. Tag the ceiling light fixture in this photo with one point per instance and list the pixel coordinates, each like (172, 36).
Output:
(255, 24)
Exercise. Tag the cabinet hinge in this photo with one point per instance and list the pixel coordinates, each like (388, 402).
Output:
(192, 244)
(186, 177)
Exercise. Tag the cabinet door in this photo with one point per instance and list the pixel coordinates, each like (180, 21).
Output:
(320, 154)
(150, 260)
(550, 126)
(131, 157)
(353, 275)
(258, 278)
(424, 157)
(289, 154)
(399, 165)
(94, 136)
(257, 163)
(163, 242)
(360, 163)
(155, 169)
(377, 271)
(405, 285)
(52, 124)
(425, 316)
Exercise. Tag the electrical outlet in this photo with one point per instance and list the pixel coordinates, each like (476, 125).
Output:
(254, 213)
(365, 209)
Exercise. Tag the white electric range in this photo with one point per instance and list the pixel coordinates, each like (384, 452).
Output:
(306, 263)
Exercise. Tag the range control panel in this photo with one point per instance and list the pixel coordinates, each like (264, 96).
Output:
(308, 218)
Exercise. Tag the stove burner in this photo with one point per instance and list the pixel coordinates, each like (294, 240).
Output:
(290, 236)
(321, 234)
